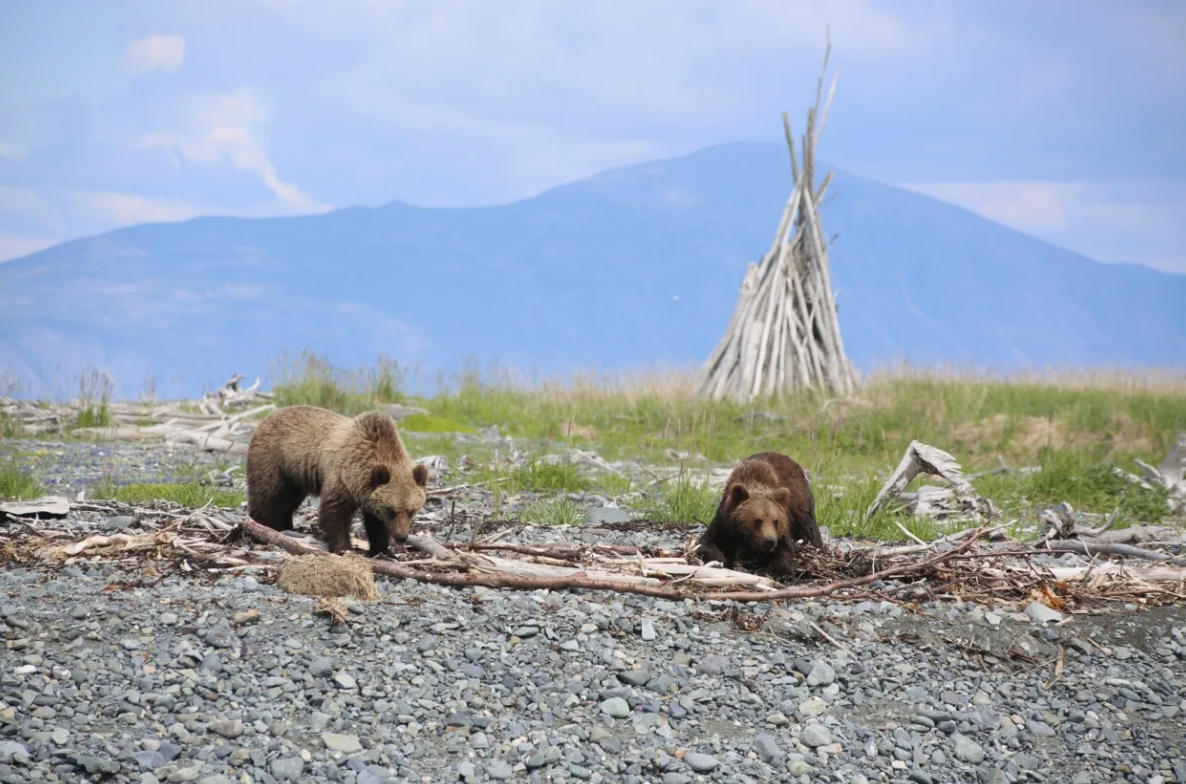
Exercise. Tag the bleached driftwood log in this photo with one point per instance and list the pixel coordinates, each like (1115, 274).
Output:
(784, 333)
(638, 570)
(960, 499)
(46, 506)
(1171, 474)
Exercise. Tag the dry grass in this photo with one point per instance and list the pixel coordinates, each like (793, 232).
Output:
(328, 576)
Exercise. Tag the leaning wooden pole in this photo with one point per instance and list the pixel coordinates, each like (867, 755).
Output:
(784, 333)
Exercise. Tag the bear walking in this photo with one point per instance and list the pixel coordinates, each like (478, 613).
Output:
(766, 509)
(351, 464)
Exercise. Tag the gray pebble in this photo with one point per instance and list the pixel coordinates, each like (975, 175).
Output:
(967, 750)
(701, 763)
(615, 707)
(814, 735)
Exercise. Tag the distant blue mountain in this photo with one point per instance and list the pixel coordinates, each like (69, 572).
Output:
(636, 266)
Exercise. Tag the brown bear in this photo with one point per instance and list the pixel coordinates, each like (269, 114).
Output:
(766, 510)
(350, 464)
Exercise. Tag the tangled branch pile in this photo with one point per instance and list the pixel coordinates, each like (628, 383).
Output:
(980, 565)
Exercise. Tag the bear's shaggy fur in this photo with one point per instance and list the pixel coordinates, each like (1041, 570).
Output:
(351, 464)
(766, 510)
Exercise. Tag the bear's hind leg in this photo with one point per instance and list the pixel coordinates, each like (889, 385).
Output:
(377, 535)
(272, 499)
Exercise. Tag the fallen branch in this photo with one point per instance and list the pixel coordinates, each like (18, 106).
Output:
(582, 582)
(561, 549)
(1110, 548)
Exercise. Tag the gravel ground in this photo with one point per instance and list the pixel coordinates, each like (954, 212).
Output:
(66, 467)
(236, 681)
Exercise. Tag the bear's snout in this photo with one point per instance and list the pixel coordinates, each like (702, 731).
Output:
(768, 544)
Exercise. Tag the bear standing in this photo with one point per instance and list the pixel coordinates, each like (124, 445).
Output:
(351, 464)
(766, 509)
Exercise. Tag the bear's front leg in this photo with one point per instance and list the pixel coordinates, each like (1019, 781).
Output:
(377, 535)
(709, 551)
(782, 560)
(335, 516)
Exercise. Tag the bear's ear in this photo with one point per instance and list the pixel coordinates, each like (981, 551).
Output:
(380, 476)
(738, 494)
(781, 496)
(376, 426)
(420, 475)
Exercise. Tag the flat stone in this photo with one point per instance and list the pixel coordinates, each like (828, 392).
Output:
(548, 756)
(1040, 728)
(701, 763)
(616, 707)
(499, 771)
(288, 768)
(1040, 613)
(648, 630)
(95, 765)
(245, 617)
(347, 744)
(634, 677)
(814, 735)
(227, 729)
(798, 767)
(766, 747)
(821, 674)
(712, 664)
(967, 750)
(813, 707)
(345, 681)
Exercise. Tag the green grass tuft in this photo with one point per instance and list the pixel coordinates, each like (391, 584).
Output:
(188, 494)
(94, 395)
(430, 423)
(312, 380)
(562, 512)
(1089, 485)
(17, 484)
(682, 501)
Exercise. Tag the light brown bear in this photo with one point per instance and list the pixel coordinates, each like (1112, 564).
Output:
(351, 464)
(766, 510)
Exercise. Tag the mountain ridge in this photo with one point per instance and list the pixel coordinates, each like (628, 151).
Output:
(635, 265)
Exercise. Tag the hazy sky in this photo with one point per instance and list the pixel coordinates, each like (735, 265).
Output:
(1063, 118)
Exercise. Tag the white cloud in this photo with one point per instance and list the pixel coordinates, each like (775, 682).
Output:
(1139, 221)
(156, 52)
(13, 246)
(37, 218)
(125, 209)
(227, 128)
(71, 212)
(1026, 206)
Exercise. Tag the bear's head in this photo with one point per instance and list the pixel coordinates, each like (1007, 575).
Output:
(396, 500)
(759, 516)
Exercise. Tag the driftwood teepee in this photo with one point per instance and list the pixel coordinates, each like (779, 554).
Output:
(784, 333)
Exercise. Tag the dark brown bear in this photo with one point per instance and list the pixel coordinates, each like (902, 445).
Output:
(766, 511)
(351, 464)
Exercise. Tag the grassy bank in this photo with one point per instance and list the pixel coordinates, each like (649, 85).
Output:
(1074, 427)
